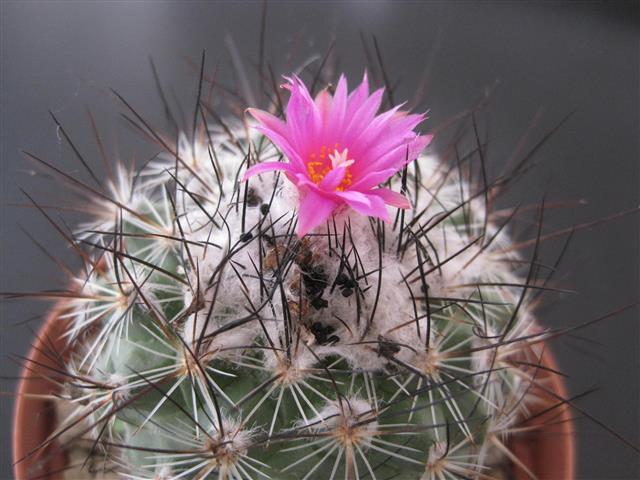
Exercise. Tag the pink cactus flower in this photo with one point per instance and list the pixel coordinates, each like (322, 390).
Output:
(339, 151)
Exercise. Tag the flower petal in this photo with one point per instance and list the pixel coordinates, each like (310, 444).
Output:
(282, 143)
(373, 179)
(332, 179)
(336, 118)
(303, 117)
(276, 131)
(371, 205)
(358, 96)
(313, 211)
(269, 121)
(360, 115)
(323, 102)
(402, 154)
(263, 167)
(385, 133)
(390, 197)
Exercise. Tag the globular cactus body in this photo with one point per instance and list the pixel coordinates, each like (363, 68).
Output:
(210, 340)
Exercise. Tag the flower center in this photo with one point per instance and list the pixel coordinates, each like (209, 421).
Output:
(319, 165)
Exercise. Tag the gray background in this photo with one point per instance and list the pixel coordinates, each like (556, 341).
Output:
(559, 56)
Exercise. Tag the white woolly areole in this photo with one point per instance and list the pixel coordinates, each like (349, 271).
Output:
(349, 420)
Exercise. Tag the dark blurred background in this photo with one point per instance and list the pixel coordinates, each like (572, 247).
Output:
(558, 57)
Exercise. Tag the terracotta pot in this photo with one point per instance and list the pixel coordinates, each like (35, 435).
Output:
(549, 449)
(34, 417)
(548, 452)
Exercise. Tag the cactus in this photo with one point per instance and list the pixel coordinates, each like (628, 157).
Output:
(209, 338)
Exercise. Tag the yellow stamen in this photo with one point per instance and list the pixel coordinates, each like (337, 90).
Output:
(318, 169)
